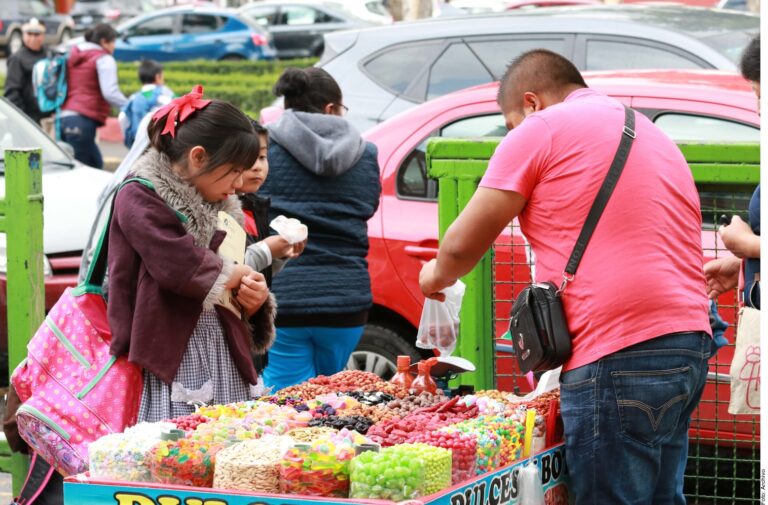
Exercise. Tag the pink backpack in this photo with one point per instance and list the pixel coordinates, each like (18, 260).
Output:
(73, 390)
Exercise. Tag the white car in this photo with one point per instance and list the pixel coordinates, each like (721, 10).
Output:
(70, 192)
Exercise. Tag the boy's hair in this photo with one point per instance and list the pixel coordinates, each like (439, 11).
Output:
(259, 129)
(149, 70)
(750, 60)
(220, 128)
(307, 89)
(539, 71)
(99, 32)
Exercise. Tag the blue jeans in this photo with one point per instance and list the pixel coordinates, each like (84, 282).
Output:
(80, 132)
(301, 353)
(626, 420)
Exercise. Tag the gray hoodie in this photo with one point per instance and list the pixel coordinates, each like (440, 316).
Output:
(324, 144)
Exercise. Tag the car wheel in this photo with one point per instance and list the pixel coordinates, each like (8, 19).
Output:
(378, 350)
(66, 36)
(232, 57)
(14, 42)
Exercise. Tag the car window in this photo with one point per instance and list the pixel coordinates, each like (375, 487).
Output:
(615, 55)
(693, 128)
(199, 23)
(295, 15)
(498, 54)
(457, 68)
(396, 67)
(412, 180)
(263, 15)
(160, 25)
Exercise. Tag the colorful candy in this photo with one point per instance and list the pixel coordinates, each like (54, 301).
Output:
(183, 462)
(320, 468)
(123, 456)
(463, 449)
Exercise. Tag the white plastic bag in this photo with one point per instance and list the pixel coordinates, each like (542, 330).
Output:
(292, 230)
(530, 490)
(439, 326)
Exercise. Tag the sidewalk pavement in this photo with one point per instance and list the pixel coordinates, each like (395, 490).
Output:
(110, 140)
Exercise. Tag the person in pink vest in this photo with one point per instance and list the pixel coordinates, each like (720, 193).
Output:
(91, 91)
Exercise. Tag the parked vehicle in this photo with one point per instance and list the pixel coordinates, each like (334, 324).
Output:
(697, 106)
(14, 13)
(298, 26)
(189, 33)
(373, 11)
(384, 71)
(70, 190)
(87, 13)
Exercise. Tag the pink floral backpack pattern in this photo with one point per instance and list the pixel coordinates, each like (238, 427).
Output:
(73, 391)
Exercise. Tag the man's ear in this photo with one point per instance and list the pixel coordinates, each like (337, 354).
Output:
(531, 102)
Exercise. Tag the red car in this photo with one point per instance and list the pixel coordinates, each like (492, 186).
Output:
(697, 106)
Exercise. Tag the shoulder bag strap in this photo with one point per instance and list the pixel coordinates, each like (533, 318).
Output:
(601, 200)
(98, 267)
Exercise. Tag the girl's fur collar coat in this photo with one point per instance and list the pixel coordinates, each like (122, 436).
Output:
(202, 223)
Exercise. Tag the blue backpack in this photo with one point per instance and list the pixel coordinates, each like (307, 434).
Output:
(137, 107)
(49, 82)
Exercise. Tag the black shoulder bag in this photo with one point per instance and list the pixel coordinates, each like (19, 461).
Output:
(537, 326)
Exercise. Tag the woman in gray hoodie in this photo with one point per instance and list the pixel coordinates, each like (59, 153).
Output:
(325, 175)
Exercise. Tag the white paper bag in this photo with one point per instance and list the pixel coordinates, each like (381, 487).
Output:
(745, 367)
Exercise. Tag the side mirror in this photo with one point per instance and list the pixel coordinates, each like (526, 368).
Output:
(125, 38)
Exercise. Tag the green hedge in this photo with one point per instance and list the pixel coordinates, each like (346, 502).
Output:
(247, 84)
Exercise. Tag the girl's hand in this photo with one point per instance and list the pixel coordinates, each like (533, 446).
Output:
(253, 293)
(279, 247)
(238, 272)
(739, 238)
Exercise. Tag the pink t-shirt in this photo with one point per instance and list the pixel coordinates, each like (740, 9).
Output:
(641, 275)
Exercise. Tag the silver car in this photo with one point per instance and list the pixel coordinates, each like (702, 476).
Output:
(384, 71)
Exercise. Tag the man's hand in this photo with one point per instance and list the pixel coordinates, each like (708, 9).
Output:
(722, 275)
(253, 292)
(430, 284)
(739, 238)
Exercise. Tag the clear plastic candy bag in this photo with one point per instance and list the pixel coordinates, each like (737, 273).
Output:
(439, 325)
(291, 229)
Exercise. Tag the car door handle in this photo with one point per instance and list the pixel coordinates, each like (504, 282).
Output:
(424, 253)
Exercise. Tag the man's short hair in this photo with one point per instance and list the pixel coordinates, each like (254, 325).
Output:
(538, 71)
(750, 60)
(149, 70)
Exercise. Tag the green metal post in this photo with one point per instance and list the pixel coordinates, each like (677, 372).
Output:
(24, 248)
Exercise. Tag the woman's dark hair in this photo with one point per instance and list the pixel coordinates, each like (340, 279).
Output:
(750, 60)
(220, 128)
(99, 32)
(308, 89)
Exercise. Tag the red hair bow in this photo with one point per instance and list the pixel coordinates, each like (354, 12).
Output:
(180, 109)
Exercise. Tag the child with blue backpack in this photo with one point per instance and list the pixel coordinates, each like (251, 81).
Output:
(153, 93)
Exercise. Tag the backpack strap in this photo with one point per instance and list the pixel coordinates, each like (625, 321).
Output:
(98, 267)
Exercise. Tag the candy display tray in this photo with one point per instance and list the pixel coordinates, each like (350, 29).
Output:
(493, 488)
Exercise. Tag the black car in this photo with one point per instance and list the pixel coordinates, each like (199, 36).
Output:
(298, 26)
(14, 13)
(90, 12)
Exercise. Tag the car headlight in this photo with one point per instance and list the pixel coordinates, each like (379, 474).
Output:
(47, 270)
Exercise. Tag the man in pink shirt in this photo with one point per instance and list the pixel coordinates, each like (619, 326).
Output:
(637, 307)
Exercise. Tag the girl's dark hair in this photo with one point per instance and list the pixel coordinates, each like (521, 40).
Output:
(750, 60)
(99, 32)
(220, 128)
(308, 89)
